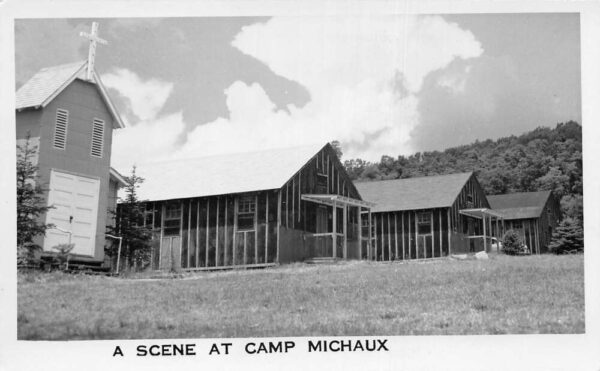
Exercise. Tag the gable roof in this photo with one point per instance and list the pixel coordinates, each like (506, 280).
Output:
(413, 193)
(114, 174)
(222, 174)
(49, 82)
(520, 205)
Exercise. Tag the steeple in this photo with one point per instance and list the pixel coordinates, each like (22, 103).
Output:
(93, 37)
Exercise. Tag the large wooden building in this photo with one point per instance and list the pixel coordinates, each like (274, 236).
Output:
(251, 209)
(428, 217)
(534, 215)
(69, 116)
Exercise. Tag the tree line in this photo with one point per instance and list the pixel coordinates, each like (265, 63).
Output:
(542, 159)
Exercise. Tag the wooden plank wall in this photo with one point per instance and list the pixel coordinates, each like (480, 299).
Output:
(210, 237)
(396, 235)
(300, 216)
(528, 232)
(448, 228)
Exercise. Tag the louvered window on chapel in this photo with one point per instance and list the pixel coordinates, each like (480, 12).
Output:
(60, 129)
(97, 137)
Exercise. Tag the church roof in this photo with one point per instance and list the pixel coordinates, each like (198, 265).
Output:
(413, 193)
(519, 205)
(222, 174)
(48, 82)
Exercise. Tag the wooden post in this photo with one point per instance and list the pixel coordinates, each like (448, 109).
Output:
(345, 230)
(370, 240)
(293, 202)
(256, 228)
(267, 229)
(225, 262)
(287, 204)
(389, 238)
(537, 236)
(278, 222)
(440, 214)
(417, 236)
(327, 171)
(207, 228)
(162, 229)
(180, 236)
(396, 234)
(334, 227)
(375, 239)
(235, 221)
(497, 235)
(217, 235)
(484, 234)
(245, 247)
(189, 233)
(403, 237)
(432, 234)
(198, 234)
(530, 243)
(449, 232)
(299, 194)
(359, 218)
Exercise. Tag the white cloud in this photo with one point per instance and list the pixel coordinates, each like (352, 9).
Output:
(146, 141)
(455, 82)
(351, 67)
(146, 98)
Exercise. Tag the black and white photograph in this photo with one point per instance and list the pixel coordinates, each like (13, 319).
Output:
(224, 186)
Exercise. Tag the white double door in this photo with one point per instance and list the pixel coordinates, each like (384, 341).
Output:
(75, 201)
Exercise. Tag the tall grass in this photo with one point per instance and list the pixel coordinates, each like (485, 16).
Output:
(535, 294)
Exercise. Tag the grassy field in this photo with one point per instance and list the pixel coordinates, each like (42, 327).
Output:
(535, 294)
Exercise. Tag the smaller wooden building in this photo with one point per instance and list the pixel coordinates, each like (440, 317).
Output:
(67, 113)
(534, 215)
(428, 217)
(251, 209)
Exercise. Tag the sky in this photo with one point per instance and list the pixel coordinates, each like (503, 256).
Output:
(381, 85)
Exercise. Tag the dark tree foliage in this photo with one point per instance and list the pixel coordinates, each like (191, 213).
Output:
(337, 147)
(511, 242)
(30, 202)
(130, 225)
(572, 207)
(542, 159)
(568, 237)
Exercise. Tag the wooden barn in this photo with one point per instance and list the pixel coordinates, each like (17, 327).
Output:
(534, 215)
(428, 217)
(251, 209)
(69, 116)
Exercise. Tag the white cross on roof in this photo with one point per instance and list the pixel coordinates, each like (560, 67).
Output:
(93, 37)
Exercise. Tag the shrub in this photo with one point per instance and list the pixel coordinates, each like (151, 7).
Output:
(511, 242)
(567, 238)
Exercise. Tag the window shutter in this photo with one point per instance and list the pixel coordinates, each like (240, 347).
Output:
(97, 138)
(60, 129)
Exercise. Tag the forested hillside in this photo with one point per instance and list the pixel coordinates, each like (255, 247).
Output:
(542, 159)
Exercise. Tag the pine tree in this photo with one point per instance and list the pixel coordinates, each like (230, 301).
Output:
(567, 237)
(130, 225)
(30, 202)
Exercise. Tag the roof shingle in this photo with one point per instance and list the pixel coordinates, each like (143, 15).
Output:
(413, 193)
(222, 174)
(520, 205)
(48, 82)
